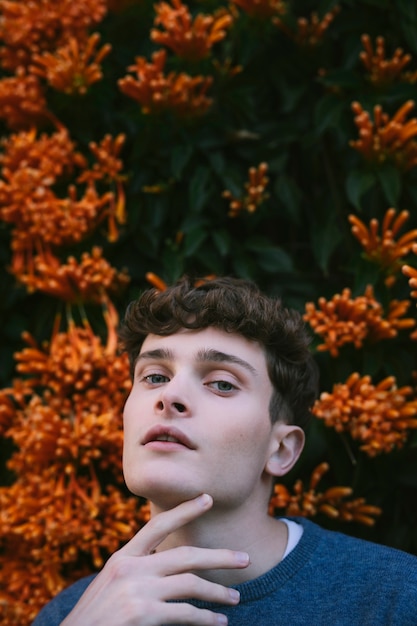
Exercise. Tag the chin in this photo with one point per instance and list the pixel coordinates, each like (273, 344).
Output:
(163, 493)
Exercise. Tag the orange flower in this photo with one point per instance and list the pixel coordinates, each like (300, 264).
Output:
(182, 94)
(72, 363)
(49, 523)
(308, 32)
(344, 320)
(383, 71)
(387, 139)
(65, 422)
(29, 28)
(331, 502)
(189, 39)
(383, 249)
(262, 8)
(31, 168)
(255, 192)
(156, 281)
(90, 280)
(411, 272)
(23, 103)
(380, 416)
(72, 68)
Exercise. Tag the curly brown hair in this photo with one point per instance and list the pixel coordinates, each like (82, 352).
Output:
(235, 306)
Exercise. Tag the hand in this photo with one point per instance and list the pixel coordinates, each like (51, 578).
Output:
(133, 587)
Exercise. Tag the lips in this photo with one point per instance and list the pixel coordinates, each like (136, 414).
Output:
(168, 434)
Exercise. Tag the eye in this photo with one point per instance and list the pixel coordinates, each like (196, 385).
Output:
(223, 386)
(155, 379)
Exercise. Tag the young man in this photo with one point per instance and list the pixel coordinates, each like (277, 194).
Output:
(223, 381)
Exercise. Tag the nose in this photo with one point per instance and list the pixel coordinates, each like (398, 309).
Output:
(173, 400)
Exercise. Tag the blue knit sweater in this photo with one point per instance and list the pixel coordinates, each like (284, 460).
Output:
(329, 579)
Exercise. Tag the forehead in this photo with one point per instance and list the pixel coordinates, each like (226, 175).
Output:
(206, 344)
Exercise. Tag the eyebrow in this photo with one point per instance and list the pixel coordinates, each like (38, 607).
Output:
(204, 355)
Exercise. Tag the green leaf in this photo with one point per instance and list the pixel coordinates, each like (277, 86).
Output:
(327, 113)
(270, 258)
(324, 239)
(193, 241)
(222, 241)
(358, 183)
(199, 189)
(391, 183)
(290, 196)
(180, 156)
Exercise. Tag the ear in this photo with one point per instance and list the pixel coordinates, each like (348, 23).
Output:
(287, 443)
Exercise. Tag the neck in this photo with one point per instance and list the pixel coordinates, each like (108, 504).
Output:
(249, 529)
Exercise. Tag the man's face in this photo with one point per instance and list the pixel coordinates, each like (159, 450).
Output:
(197, 419)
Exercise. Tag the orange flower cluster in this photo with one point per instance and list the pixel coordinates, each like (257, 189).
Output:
(180, 93)
(387, 139)
(308, 32)
(383, 71)
(22, 102)
(383, 249)
(29, 28)
(344, 320)
(411, 273)
(46, 39)
(90, 280)
(255, 192)
(331, 502)
(379, 416)
(41, 220)
(64, 418)
(187, 38)
(72, 68)
(262, 8)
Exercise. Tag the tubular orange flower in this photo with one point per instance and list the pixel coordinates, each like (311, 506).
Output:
(90, 280)
(156, 281)
(255, 192)
(180, 93)
(22, 102)
(29, 28)
(309, 32)
(411, 273)
(71, 363)
(383, 249)
(378, 416)
(344, 320)
(189, 39)
(108, 164)
(331, 502)
(383, 71)
(387, 139)
(41, 221)
(72, 68)
(66, 426)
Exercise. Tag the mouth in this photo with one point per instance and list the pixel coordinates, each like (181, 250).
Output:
(166, 435)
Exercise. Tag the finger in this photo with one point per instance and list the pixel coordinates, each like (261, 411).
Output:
(188, 558)
(187, 614)
(159, 527)
(187, 586)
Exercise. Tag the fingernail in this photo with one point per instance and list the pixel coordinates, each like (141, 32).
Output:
(234, 595)
(222, 620)
(242, 558)
(204, 499)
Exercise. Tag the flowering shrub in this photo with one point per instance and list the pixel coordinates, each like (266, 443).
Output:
(272, 139)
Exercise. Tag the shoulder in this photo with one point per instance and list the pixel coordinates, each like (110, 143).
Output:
(58, 608)
(360, 552)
